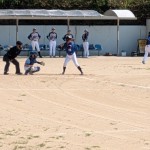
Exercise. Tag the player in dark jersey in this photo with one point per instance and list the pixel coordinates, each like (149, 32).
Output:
(70, 48)
(29, 64)
(85, 43)
(10, 57)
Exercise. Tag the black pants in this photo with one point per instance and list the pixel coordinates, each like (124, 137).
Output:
(14, 61)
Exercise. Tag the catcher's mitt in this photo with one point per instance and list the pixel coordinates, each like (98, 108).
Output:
(42, 63)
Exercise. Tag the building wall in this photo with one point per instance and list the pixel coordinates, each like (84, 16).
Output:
(104, 35)
(147, 26)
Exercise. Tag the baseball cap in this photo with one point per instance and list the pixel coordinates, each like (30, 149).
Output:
(53, 28)
(69, 37)
(69, 30)
(85, 30)
(34, 28)
(18, 43)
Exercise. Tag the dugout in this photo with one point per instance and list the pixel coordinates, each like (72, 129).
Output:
(67, 15)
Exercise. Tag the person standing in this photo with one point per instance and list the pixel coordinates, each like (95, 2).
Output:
(34, 38)
(52, 36)
(70, 48)
(147, 49)
(85, 43)
(68, 34)
(10, 57)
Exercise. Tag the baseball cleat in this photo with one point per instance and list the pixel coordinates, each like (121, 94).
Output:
(19, 73)
(5, 73)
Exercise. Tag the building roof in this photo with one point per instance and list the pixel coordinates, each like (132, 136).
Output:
(121, 14)
(64, 14)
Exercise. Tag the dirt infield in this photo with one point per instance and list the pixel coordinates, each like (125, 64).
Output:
(108, 108)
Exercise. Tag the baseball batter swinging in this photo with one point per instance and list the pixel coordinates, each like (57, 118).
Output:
(70, 48)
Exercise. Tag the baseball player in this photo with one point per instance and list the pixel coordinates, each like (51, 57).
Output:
(28, 66)
(70, 48)
(34, 38)
(10, 57)
(147, 49)
(85, 43)
(68, 34)
(52, 36)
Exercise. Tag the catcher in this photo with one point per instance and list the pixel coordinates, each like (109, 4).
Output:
(28, 66)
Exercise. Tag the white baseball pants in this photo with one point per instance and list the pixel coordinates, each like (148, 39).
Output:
(71, 57)
(35, 44)
(33, 68)
(86, 49)
(52, 48)
(147, 51)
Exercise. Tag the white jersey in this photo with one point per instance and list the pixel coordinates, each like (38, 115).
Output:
(52, 36)
(34, 36)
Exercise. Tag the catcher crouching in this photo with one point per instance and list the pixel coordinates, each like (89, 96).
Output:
(29, 64)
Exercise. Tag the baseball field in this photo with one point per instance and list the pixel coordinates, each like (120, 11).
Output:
(107, 108)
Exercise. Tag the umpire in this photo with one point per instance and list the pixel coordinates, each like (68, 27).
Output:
(10, 57)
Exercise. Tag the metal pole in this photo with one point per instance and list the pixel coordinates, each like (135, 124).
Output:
(118, 37)
(17, 22)
(68, 23)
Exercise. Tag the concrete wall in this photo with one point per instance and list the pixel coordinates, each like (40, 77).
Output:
(104, 35)
(147, 26)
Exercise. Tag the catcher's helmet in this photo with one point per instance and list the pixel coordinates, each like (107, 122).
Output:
(33, 53)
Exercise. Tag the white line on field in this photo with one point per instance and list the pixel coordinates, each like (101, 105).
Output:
(50, 89)
(131, 85)
(64, 77)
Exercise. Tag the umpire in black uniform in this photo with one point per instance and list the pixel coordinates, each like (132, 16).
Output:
(10, 57)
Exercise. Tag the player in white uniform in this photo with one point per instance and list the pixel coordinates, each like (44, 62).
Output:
(52, 36)
(85, 43)
(70, 48)
(34, 37)
(147, 49)
(68, 34)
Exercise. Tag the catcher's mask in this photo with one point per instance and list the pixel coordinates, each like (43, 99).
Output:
(33, 54)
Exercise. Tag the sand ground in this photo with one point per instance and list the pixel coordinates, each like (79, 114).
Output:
(108, 108)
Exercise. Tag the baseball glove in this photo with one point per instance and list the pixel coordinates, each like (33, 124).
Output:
(42, 63)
